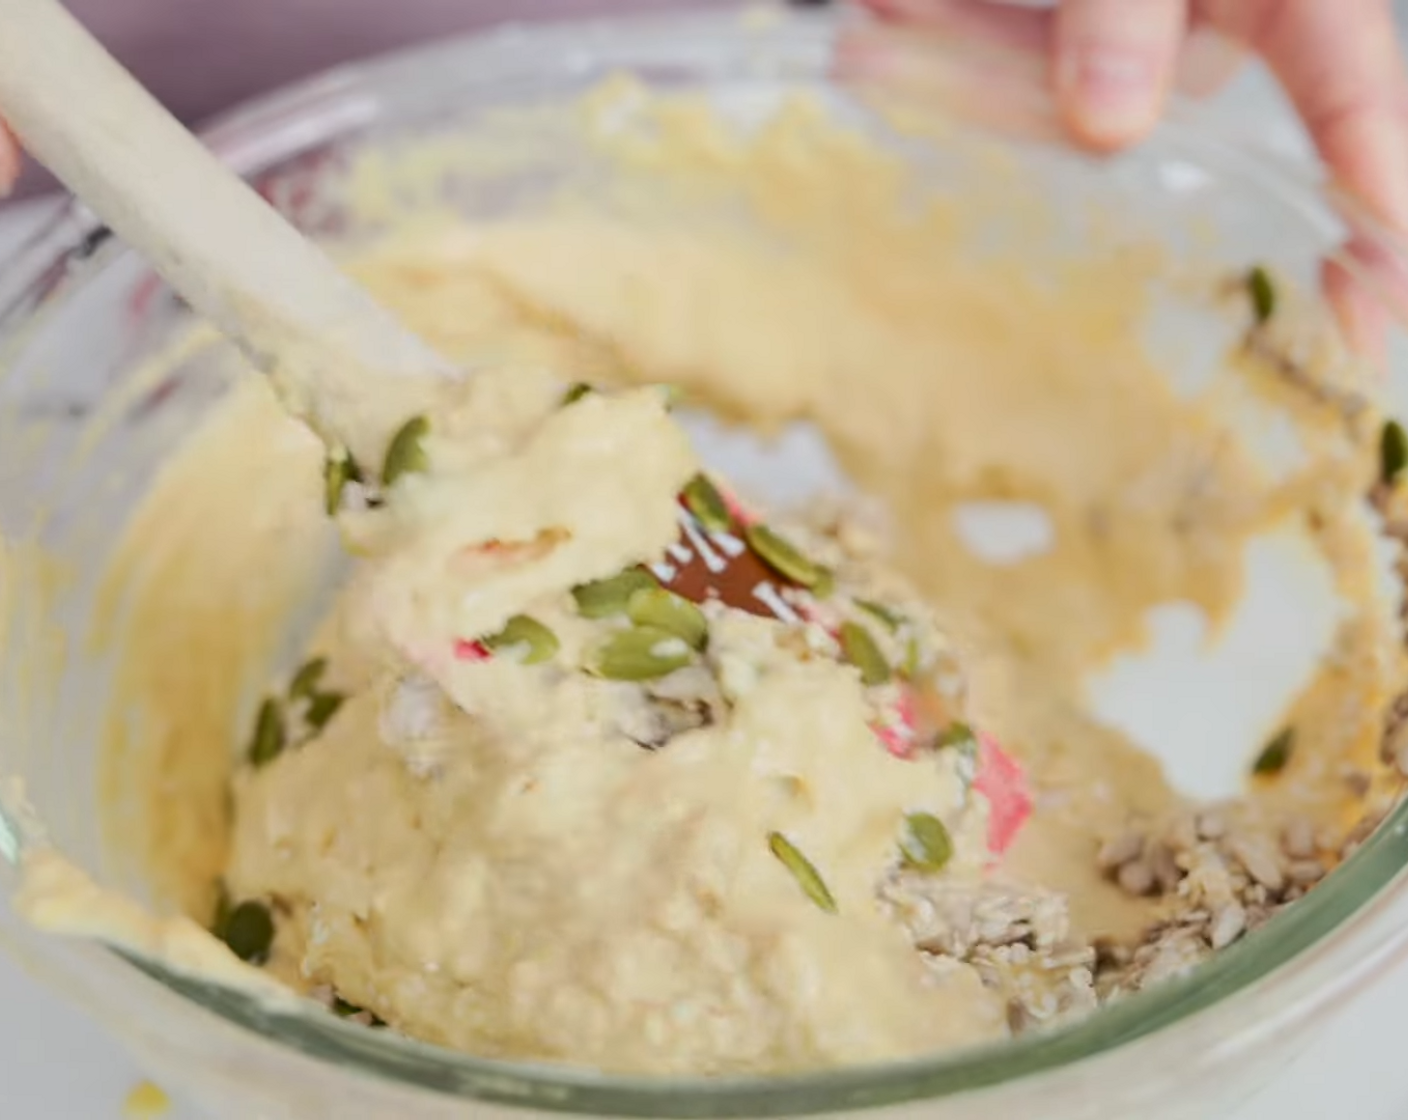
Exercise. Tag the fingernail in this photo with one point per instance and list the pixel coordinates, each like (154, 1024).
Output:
(1111, 95)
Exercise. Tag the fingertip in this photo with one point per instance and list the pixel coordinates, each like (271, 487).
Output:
(1114, 63)
(1108, 97)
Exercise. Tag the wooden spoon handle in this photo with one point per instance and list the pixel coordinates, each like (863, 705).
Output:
(215, 240)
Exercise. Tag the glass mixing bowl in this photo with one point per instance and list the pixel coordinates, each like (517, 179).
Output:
(78, 312)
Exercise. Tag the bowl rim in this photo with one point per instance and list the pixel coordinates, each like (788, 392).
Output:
(1320, 951)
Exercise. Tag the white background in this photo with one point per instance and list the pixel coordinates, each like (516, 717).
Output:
(54, 1063)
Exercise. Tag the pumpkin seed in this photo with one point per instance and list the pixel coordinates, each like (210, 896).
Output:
(338, 470)
(702, 498)
(956, 734)
(1393, 451)
(1276, 753)
(305, 681)
(642, 653)
(406, 452)
(859, 648)
(891, 619)
(269, 733)
(322, 706)
(249, 932)
(654, 606)
(222, 910)
(925, 843)
(807, 876)
(781, 555)
(539, 643)
(1262, 292)
(576, 393)
(605, 597)
(913, 658)
(825, 585)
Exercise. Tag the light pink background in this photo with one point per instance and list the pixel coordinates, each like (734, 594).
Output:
(202, 56)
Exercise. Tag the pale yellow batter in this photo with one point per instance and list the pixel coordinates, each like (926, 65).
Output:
(502, 869)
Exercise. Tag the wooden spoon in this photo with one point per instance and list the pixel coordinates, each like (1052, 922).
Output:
(326, 343)
(333, 352)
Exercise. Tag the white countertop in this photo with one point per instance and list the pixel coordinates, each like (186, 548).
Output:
(57, 1065)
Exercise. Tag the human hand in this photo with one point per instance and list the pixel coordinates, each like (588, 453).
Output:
(1112, 63)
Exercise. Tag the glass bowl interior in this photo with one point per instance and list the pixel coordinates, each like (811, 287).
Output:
(80, 313)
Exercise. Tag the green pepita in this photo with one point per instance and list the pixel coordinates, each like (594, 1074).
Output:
(1276, 753)
(825, 585)
(891, 619)
(305, 681)
(1262, 293)
(956, 734)
(860, 649)
(406, 452)
(606, 597)
(222, 911)
(807, 876)
(522, 631)
(782, 556)
(576, 393)
(249, 932)
(654, 606)
(338, 470)
(270, 735)
(642, 653)
(925, 842)
(913, 658)
(322, 706)
(702, 498)
(1393, 451)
